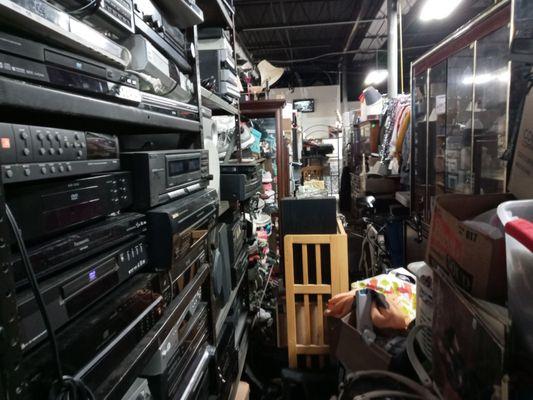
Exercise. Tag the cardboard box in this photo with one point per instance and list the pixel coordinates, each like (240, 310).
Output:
(468, 343)
(348, 346)
(475, 261)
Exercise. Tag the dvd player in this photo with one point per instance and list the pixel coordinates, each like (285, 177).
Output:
(45, 209)
(36, 62)
(72, 292)
(162, 176)
(42, 19)
(102, 337)
(174, 228)
(163, 105)
(69, 249)
(28, 150)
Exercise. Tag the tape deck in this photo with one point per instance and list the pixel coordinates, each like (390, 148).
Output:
(162, 176)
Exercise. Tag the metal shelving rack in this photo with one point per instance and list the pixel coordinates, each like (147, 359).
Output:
(218, 14)
(29, 103)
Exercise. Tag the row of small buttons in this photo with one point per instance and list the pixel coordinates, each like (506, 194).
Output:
(44, 170)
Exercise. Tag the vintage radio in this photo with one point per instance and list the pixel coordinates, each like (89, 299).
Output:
(162, 176)
(57, 254)
(27, 151)
(70, 293)
(175, 228)
(239, 181)
(36, 62)
(44, 209)
(98, 342)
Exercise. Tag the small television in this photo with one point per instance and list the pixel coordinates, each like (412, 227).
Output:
(304, 105)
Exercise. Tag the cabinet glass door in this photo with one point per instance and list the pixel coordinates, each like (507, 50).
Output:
(459, 106)
(490, 115)
(419, 161)
(436, 132)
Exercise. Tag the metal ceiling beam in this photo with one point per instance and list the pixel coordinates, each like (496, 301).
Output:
(262, 2)
(307, 26)
(282, 48)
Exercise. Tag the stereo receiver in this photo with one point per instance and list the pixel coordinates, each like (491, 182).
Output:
(29, 153)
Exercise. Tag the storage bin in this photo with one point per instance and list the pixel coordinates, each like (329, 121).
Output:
(517, 217)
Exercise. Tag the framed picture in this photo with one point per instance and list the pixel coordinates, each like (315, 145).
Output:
(304, 105)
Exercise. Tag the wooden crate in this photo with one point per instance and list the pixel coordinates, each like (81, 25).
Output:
(316, 268)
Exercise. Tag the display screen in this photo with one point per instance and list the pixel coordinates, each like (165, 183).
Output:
(180, 167)
(101, 147)
(304, 105)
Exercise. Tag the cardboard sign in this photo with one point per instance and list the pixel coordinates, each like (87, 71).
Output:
(521, 184)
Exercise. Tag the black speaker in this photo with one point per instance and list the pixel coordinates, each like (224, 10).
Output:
(309, 216)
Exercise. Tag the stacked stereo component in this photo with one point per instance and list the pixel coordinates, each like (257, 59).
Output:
(217, 64)
(121, 51)
(105, 242)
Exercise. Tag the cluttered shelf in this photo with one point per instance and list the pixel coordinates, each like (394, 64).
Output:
(216, 13)
(217, 104)
(20, 96)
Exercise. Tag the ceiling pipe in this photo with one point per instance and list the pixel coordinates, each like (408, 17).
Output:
(392, 48)
(308, 26)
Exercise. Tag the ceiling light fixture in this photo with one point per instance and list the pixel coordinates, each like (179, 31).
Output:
(438, 9)
(376, 77)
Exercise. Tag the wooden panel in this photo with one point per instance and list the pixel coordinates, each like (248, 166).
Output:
(312, 349)
(306, 325)
(291, 306)
(312, 289)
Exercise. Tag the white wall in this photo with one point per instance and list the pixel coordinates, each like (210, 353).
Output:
(327, 102)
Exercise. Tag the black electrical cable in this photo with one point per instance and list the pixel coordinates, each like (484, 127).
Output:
(64, 387)
(87, 9)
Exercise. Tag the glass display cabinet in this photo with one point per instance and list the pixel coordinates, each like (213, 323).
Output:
(461, 111)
